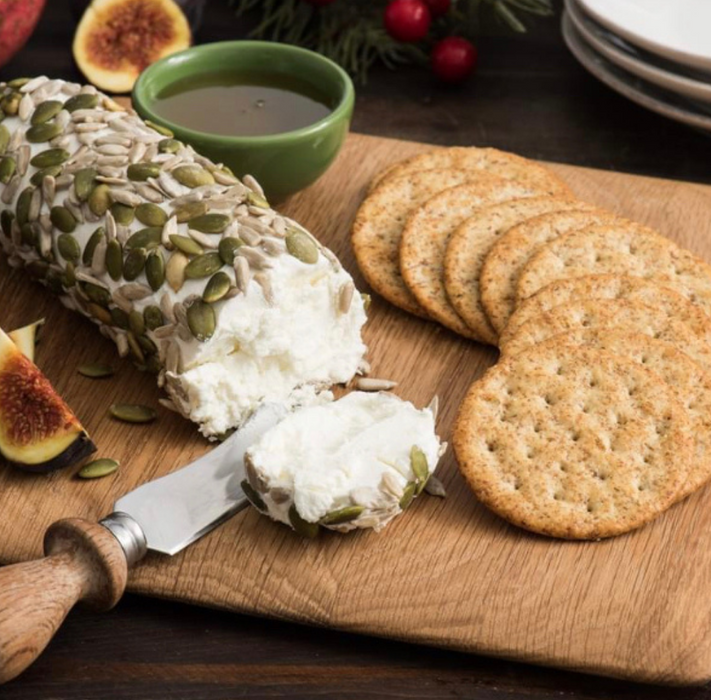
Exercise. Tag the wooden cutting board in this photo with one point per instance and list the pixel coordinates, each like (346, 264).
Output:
(447, 573)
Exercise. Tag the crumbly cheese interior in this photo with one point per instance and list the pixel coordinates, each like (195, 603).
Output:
(283, 352)
(351, 452)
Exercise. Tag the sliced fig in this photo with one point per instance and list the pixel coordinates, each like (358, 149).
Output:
(38, 431)
(26, 338)
(117, 39)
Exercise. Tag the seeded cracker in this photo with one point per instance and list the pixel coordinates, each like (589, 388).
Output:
(624, 248)
(469, 245)
(509, 255)
(689, 332)
(539, 441)
(685, 377)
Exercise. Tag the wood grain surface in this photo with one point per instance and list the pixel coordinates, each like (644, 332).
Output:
(448, 573)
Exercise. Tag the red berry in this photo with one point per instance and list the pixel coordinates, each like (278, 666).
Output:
(438, 8)
(407, 20)
(453, 59)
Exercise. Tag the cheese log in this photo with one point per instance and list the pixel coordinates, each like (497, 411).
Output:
(182, 265)
(354, 463)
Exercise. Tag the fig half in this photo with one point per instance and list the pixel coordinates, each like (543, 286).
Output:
(38, 431)
(117, 39)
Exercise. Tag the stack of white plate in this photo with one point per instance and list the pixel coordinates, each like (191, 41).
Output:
(655, 52)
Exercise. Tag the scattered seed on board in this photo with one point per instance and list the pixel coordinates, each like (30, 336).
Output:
(98, 468)
(374, 384)
(95, 370)
(434, 487)
(132, 413)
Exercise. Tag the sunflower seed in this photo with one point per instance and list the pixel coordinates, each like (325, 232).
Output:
(90, 127)
(148, 237)
(205, 240)
(253, 185)
(23, 159)
(117, 139)
(250, 236)
(112, 149)
(135, 291)
(165, 331)
(133, 413)
(49, 188)
(122, 345)
(121, 302)
(134, 263)
(255, 258)
(434, 487)
(301, 526)
(25, 108)
(175, 270)
(155, 270)
(223, 178)
(201, 320)
(168, 185)
(169, 229)
(8, 194)
(373, 384)
(192, 176)
(35, 205)
(345, 297)
(434, 406)
(95, 370)
(243, 273)
(15, 140)
(166, 306)
(98, 468)
(125, 197)
(32, 85)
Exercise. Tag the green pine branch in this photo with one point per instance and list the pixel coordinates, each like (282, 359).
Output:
(351, 32)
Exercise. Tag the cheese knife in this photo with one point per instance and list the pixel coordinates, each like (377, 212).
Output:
(89, 562)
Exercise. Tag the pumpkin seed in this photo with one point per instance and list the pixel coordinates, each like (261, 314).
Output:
(22, 208)
(69, 247)
(114, 259)
(203, 266)
(39, 133)
(45, 111)
(17, 83)
(28, 234)
(253, 496)
(40, 175)
(145, 238)
(134, 263)
(8, 165)
(434, 487)
(99, 200)
(84, 183)
(301, 526)
(119, 318)
(186, 244)
(69, 279)
(52, 156)
(97, 294)
(98, 468)
(169, 146)
(216, 288)
(160, 129)
(151, 214)
(201, 320)
(97, 237)
(100, 313)
(175, 270)
(133, 413)
(227, 249)
(82, 101)
(155, 270)
(210, 223)
(140, 172)
(342, 515)
(62, 218)
(367, 301)
(135, 349)
(407, 495)
(136, 322)
(192, 176)
(147, 345)
(4, 138)
(122, 213)
(191, 210)
(256, 200)
(11, 103)
(6, 219)
(300, 245)
(153, 317)
(419, 466)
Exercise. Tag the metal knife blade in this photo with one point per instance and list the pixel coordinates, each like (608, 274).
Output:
(175, 510)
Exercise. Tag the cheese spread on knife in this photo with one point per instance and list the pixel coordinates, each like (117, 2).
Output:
(353, 463)
(182, 265)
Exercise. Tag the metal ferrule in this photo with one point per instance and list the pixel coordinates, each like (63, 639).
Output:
(129, 534)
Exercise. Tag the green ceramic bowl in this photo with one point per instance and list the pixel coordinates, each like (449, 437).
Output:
(282, 163)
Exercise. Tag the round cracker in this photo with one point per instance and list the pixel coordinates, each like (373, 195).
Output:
(624, 248)
(509, 255)
(490, 160)
(686, 378)
(678, 324)
(378, 225)
(647, 291)
(425, 236)
(469, 245)
(539, 441)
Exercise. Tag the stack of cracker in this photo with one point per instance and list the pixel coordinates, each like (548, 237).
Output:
(598, 416)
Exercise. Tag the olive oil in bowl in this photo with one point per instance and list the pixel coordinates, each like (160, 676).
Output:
(231, 104)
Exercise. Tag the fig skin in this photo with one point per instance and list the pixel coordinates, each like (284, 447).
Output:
(117, 39)
(38, 430)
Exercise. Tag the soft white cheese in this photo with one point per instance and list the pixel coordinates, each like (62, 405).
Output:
(352, 452)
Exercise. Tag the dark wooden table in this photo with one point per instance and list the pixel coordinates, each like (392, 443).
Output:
(529, 96)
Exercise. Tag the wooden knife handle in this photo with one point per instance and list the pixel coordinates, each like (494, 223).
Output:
(83, 562)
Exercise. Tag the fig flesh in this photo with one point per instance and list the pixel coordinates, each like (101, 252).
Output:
(26, 339)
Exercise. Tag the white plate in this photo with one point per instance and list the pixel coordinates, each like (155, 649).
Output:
(629, 86)
(676, 29)
(597, 39)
